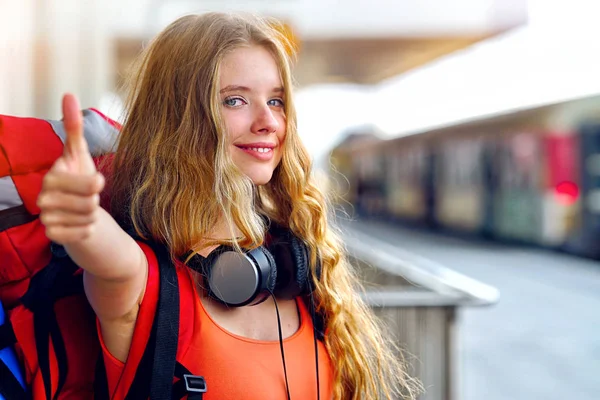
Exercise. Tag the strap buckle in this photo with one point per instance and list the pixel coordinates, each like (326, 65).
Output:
(195, 383)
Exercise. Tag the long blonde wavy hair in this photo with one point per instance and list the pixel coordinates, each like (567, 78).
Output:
(173, 180)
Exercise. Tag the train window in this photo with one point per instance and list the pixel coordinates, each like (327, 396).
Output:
(455, 165)
(414, 169)
(440, 171)
(519, 167)
(475, 167)
(453, 168)
(592, 164)
(510, 178)
(395, 170)
(419, 165)
(464, 163)
(504, 162)
(593, 201)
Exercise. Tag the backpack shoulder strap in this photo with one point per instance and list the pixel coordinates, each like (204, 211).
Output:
(57, 280)
(167, 327)
(12, 385)
(154, 374)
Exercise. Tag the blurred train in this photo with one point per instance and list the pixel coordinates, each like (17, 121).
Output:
(530, 176)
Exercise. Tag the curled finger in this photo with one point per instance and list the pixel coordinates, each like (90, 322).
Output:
(68, 234)
(68, 203)
(61, 218)
(68, 182)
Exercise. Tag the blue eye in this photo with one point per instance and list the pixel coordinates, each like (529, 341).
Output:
(276, 103)
(234, 101)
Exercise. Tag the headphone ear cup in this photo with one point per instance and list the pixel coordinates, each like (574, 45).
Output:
(292, 262)
(301, 260)
(271, 282)
(236, 279)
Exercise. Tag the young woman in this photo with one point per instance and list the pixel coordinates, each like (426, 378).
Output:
(209, 154)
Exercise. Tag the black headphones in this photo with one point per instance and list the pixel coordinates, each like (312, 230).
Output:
(280, 267)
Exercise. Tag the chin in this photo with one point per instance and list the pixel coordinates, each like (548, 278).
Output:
(261, 182)
(260, 178)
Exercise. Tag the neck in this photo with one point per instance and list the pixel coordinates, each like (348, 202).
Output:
(220, 231)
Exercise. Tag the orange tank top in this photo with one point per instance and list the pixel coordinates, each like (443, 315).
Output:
(233, 366)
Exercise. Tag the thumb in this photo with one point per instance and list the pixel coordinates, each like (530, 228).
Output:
(60, 165)
(76, 148)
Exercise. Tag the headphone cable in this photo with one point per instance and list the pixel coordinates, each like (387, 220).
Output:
(287, 386)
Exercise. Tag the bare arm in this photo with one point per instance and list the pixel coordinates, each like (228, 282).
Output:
(115, 266)
(114, 279)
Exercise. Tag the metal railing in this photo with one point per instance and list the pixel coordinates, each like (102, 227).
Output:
(418, 299)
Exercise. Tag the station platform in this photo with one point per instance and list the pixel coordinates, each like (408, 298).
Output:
(541, 340)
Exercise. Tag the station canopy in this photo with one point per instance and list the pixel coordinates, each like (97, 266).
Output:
(350, 41)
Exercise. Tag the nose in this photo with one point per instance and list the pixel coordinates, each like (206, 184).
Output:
(264, 120)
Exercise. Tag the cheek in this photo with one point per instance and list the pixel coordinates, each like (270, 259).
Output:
(282, 131)
(234, 125)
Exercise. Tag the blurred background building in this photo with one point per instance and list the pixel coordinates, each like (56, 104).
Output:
(465, 132)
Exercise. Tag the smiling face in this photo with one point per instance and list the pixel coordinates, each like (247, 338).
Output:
(252, 106)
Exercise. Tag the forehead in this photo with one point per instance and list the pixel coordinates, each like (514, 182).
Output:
(253, 66)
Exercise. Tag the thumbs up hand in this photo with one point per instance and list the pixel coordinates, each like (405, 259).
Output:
(70, 196)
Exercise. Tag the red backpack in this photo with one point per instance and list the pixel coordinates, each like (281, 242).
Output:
(50, 323)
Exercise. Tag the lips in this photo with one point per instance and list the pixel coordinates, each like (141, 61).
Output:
(260, 151)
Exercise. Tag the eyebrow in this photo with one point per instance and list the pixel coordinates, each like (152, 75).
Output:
(239, 88)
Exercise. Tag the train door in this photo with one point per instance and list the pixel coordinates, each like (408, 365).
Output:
(517, 207)
(405, 188)
(590, 137)
(371, 184)
(561, 189)
(586, 241)
(459, 201)
(489, 176)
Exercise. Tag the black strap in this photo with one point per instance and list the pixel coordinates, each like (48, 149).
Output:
(15, 216)
(10, 388)
(193, 386)
(167, 327)
(140, 387)
(41, 332)
(7, 335)
(45, 325)
(179, 389)
(155, 372)
(100, 380)
(55, 281)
